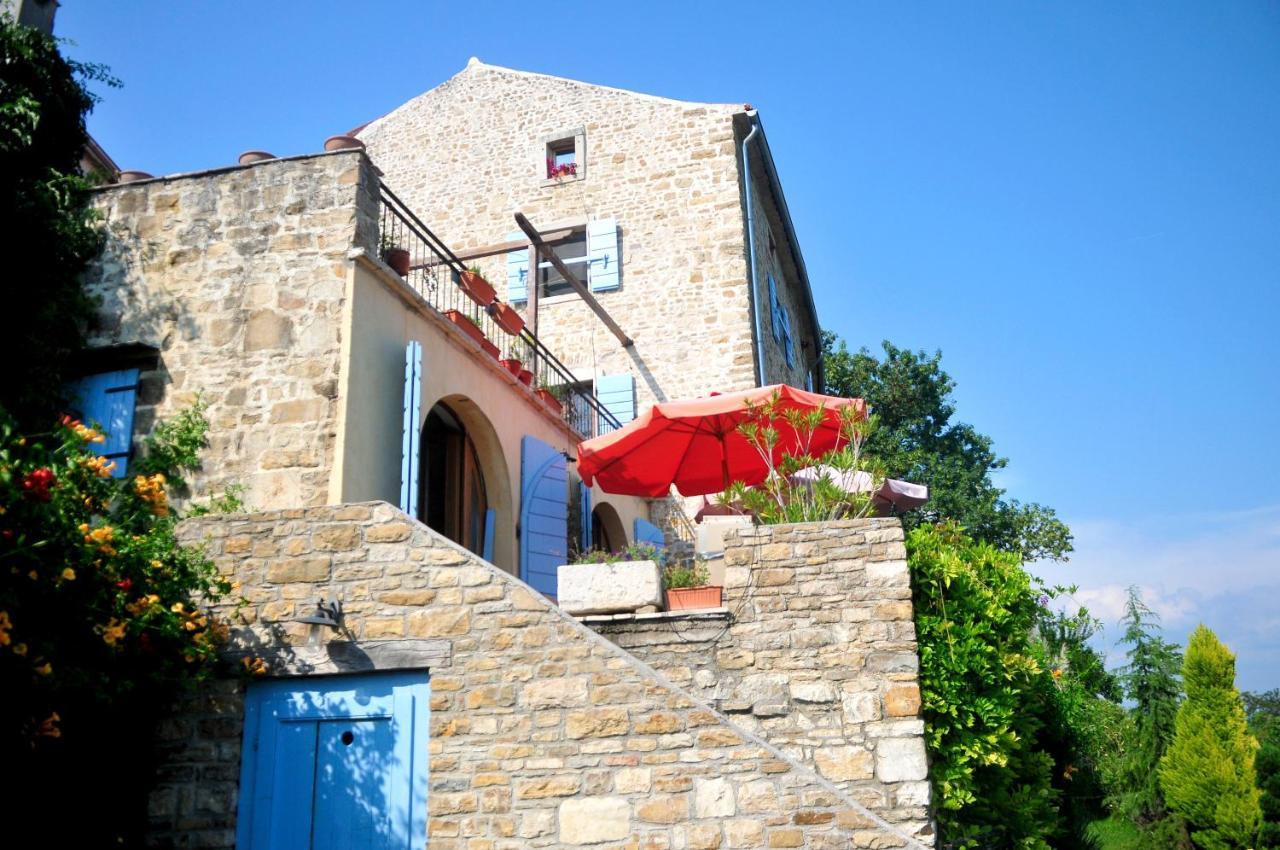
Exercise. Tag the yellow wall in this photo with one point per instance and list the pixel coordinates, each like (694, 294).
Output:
(382, 316)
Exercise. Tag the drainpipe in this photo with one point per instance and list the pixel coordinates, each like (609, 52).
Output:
(751, 246)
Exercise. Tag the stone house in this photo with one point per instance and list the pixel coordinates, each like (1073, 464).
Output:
(452, 702)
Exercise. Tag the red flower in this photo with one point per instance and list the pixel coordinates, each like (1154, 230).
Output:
(125, 584)
(37, 483)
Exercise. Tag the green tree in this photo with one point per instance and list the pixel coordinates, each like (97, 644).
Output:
(917, 440)
(1151, 683)
(1263, 711)
(45, 219)
(1207, 774)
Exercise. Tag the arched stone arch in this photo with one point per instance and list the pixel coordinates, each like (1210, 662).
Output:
(606, 525)
(493, 469)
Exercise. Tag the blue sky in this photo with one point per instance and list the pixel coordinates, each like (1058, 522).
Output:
(1079, 204)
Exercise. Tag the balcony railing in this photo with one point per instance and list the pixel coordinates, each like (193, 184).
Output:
(434, 273)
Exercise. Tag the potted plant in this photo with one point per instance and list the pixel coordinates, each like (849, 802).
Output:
(477, 288)
(602, 582)
(342, 143)
(687, 587)
(467, 325)
(526, 377)
(552, 397)
(507, 317)
(395, 256)
(514, 365)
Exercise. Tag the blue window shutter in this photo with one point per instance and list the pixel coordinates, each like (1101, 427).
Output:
(602, 252)
(617, 394)
(411, 436)
(517, 270)
(108, 400)
(773, 308)
(544, 514)
(490, 519)
(788, 345)
(647, 532)
(585, 508)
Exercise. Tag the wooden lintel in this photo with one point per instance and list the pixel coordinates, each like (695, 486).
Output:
(572, 279)
(551, 238)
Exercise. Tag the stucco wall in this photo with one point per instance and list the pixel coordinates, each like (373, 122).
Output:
(542, 733)
(469, 153)
(498, 411)
(237, 277)
(818, 655)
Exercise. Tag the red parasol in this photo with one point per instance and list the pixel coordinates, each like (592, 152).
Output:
(695, 444)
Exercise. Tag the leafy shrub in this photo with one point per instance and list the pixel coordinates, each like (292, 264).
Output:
(685, 574)
(101, 621)
(630, 552)
(985, 689)
(780, 498)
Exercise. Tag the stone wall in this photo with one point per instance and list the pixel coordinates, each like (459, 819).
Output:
(236, 277)
(470, 153)
(543, 734)
(817, 655)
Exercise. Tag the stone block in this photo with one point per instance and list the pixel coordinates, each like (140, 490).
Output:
(665, 809)
(594, 820)
(901, 760)
(298, 570)
(844, 763)
(713, 798)
(902, 700)
(440, 622)
(596, 723)
(555, 693)
(608, 588)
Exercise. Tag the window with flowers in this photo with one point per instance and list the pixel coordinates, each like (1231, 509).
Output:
(565, 155)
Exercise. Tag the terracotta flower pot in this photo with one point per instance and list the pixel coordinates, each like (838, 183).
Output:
(512, 365)
(694, 598)
(343, 143)
(463, 323)
(133, 176)
(255, 156)
(398, 259)
(526, 377)
(549, 400)
(477, 288)
(508, 318)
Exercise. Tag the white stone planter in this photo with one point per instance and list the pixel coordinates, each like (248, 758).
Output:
(608, 588)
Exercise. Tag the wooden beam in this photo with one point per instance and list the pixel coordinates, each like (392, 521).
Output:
(537, 242)
(551, 238)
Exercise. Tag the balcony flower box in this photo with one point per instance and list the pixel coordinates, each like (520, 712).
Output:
(526, 377)
(694, 598)
(398, 259)
(463, 323)
(613, 588)
(507, 317)
(477, 288)
(513, 365)
(549, 399)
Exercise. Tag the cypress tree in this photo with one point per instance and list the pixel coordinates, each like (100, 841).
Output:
(1207, 774)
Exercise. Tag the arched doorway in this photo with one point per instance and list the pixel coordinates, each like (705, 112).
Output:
(454, 498)
(607, 531)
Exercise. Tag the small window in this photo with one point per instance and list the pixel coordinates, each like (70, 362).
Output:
(573, 253)
(565, 156)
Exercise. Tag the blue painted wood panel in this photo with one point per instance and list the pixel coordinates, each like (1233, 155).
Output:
(617, 393)
(603, 270)
(544, 514)
(647, 532)
(584, 507)
(410, 435)
(107, 400)
(335, 762)
(517, 270)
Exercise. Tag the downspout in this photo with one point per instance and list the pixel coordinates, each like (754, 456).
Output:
(751, 246)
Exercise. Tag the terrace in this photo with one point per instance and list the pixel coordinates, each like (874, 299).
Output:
(435, 274)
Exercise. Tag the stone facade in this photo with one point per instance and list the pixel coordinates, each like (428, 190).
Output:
(470, 153)
(817, 655)
(235, 279)
(542, 733)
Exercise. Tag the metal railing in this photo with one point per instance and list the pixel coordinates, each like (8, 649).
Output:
(434, 274)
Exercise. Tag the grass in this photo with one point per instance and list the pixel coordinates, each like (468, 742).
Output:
(1114, 833)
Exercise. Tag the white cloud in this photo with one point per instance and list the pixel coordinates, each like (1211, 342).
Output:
(1221, 568)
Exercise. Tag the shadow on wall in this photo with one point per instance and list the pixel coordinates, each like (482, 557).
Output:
(154, 311)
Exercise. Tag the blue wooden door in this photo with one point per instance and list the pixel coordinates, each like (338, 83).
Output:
(335, 762)
(544, 514)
